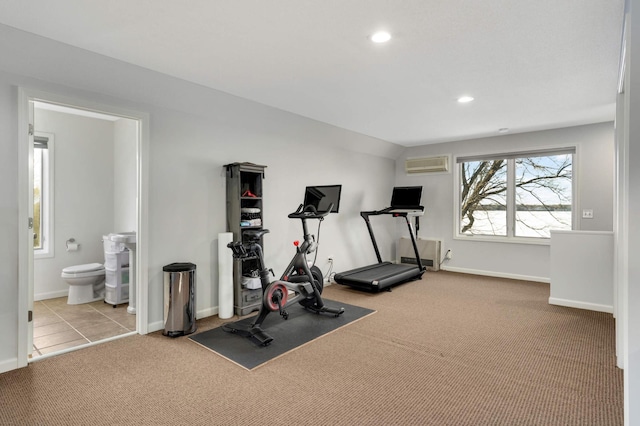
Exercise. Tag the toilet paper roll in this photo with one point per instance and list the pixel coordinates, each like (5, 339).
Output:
(72, 246)
(225, 276)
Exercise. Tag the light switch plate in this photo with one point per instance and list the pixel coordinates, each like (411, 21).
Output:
(587, 214)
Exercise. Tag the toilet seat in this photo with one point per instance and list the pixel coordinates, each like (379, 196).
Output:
(87, 269)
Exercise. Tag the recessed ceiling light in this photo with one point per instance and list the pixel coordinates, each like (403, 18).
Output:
(381, 37)
(465, 99)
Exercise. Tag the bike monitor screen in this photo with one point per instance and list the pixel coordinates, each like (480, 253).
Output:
(322, 196)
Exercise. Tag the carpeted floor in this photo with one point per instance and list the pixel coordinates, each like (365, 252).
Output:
(451, 349)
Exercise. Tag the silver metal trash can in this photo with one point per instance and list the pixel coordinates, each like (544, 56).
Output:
(179, 299)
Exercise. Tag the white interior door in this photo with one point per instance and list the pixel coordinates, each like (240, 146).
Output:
(31, 233)
(25, 229)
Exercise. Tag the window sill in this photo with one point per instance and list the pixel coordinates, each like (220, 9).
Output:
(503, 240)
(40, 254)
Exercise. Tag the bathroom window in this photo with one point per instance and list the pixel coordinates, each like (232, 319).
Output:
(43, 195)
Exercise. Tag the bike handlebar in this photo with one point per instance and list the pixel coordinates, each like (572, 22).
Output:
(309, 212)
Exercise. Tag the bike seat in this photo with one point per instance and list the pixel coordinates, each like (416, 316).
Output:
(255, 234)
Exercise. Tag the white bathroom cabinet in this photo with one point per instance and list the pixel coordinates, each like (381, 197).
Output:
(116, 288)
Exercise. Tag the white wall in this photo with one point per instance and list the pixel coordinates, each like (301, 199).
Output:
(629, 254)
(84, 194)
(8, 227)
(595, 191)
(193, 133)
(125, 175)
(187, 195)
(582, 270)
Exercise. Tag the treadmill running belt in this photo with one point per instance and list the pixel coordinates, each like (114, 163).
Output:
(378, 276)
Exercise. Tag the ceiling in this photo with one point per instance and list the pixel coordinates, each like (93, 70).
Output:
(530, 65)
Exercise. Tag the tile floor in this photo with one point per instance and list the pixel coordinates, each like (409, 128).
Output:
(58, 326)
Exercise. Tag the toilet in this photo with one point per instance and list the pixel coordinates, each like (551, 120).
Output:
(86, 282)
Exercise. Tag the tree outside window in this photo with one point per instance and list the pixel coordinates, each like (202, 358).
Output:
(37, 199)
(516, 195)
(484, 198)
(43, 194)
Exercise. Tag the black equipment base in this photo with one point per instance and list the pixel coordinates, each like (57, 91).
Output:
(302, 327)
(379, 276)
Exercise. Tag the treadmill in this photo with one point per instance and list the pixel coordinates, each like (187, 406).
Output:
(405, 203)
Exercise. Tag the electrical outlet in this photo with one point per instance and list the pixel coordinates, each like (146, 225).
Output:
(330, 258)
(448, 255)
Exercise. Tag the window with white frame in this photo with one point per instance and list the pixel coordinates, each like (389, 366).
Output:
(43, 194)
(516, 195)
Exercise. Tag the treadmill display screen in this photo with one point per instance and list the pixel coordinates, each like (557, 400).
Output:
(322, 196)
(406, 197)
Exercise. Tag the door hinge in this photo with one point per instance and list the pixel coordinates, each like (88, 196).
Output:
(30, 316)
(30, 129)
(30, 223)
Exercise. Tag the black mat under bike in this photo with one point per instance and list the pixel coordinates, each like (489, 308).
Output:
(300, 282)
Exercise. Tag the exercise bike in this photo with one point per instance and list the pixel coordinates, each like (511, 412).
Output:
(299, 283)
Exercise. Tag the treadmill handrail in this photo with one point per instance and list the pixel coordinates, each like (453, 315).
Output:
(365, 215)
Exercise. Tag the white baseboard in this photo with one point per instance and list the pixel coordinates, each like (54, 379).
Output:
(8, 365)
(552, 300)
(155, 326)
(496, 274)
(581, 305)
(50, 295)
(203, 313)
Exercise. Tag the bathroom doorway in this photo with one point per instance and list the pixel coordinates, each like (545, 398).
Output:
(87, 184)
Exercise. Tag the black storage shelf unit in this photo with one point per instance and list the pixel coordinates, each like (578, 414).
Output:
(244, 212)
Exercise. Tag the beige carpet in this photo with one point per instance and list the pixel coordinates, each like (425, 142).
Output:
(451, 349)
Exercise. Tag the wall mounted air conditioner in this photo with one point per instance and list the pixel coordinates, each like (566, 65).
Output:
(429, 253)
(427, 164)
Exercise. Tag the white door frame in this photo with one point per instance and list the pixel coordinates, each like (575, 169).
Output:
(25, 269)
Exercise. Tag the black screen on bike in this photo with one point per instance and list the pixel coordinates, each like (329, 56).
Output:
(321, 197)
